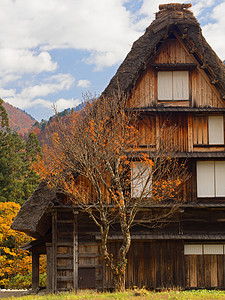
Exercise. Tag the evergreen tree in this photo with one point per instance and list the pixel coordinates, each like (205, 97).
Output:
(17, 179)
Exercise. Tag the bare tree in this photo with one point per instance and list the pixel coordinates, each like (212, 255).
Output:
(96, 160)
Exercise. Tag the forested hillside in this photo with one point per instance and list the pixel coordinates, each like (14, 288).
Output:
(19, 120)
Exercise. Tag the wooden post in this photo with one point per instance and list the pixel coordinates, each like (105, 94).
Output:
(157, 131)
(75, 251)
(54, 251)
(49, 268)
(35, 270)
(190, 133)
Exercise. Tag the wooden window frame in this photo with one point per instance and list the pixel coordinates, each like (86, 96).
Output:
(216, 177)
(210, 130)
(171, 97)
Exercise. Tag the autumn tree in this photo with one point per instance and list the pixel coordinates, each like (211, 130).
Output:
(95, 159)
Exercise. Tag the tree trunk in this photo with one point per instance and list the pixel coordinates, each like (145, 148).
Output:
(119, 279)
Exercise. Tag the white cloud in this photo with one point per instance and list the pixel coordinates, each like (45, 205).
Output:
(104, 28)
(54, 84)
(24, 61)
(83, 83)
(31, 95)
(97, 26)
(214, 32)
(6, 93)
(60, 104)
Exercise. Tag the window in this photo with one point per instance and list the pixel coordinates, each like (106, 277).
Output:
(197, 249)
(216, 130)
(173, 85)
(140, 175)
(210, 178)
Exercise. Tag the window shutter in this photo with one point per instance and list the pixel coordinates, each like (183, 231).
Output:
(220, 178)
(216, 130)
(165, 85)
(180, 85)
(140, 173)
(205, 179)
(213, 249)
(193, 250)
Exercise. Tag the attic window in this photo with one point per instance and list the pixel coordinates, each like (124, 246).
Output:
(173, 85)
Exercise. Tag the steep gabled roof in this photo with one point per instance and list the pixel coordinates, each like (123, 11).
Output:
(32, 211)
(171, 17)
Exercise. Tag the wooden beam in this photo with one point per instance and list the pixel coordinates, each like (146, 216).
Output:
(75, 251)
(54, 251)
(35, 270)
(190, 133)
(49, 267)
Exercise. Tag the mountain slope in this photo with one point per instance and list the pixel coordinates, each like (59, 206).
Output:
(19, 120)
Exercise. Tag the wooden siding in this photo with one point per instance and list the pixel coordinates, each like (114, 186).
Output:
(162, 264)
(147, 129)
(204, 271)
(172, 52)
(153, 264)
(192, 133)
(201, 92)
(145, 92)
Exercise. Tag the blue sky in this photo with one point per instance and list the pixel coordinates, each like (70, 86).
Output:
(55, 51)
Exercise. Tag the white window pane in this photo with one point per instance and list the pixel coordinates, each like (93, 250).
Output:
(180, 85)
(165, 85)
(220, 178)
(205, 179)
(193, 249)
(140, 174)
(213, 249)
(216, 130)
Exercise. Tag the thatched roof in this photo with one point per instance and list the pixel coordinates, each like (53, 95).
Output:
(32, 211)
(171, 17)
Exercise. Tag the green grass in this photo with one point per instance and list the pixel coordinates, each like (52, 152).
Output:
(130, 294)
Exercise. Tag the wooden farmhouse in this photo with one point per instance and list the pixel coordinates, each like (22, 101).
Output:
(171, 73)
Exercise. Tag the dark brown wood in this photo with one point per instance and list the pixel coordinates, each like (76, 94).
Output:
(35, 270)
(54, 251)
(75, 252)
(49, 268)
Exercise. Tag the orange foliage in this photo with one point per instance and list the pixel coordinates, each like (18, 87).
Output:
(13, 260)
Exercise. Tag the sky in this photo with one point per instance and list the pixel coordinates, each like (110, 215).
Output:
(56, 52)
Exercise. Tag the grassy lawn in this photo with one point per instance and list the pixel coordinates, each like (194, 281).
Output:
(130, 294)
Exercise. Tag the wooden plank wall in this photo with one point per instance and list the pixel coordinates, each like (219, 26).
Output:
(200, 130)
(180, 135)
(205, 271)
(147, 130)
(145, 93)
(154, 264)
(172, 52)
(160, 126)
(202, 92)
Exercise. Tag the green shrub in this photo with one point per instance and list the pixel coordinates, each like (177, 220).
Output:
(25, 281)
